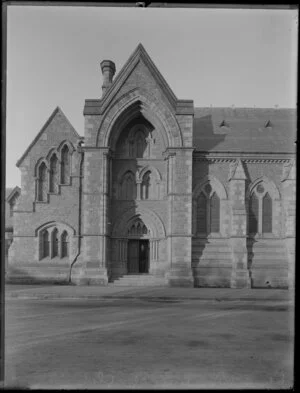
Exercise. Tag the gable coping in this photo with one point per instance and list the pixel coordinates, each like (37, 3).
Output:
(54, 113)
(138, 54)
(12, 193)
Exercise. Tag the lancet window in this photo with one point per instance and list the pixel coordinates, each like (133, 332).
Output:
(53, 243)
(42, 187)
(260, 211)
(128, 186)
(53, 186)
(208, 211)
(65, 165)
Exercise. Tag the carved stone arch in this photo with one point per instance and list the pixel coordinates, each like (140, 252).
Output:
(138, 127)
(138, 224)
(149, 218)
(132, 103)
(66, 142)
(61, 226)
(216, 185)
(127, 113)
(38, 164)
(51, 153)
(269, 185)
(152, 169)
(130, 167)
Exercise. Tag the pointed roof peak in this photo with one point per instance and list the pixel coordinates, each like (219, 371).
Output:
(138, 54)
(56, 111)
(140, 47)
(11, 192)
(140, 50)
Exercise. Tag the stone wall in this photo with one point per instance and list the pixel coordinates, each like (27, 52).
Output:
(30, 215)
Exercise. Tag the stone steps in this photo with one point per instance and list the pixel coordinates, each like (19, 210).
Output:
(140, 280)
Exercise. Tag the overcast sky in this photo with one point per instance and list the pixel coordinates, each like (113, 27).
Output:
(216, 57)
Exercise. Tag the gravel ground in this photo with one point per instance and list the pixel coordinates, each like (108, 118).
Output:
(154, 343)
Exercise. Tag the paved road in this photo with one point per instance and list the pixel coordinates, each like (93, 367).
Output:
(113, 343)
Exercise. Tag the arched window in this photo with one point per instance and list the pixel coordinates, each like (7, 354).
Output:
(54, 243)
(12, 205)
(214, 213)
(64, 244)
(139, 229)
(267, 214)
(253, 214)
(53, 187)
(140, 144)
(128, 186)
(260, 211)
(44, 244)
(42, 183)
(201, 214)
(65, 166)
(146, 185)
(208, 211)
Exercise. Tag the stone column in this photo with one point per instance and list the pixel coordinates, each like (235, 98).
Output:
(240, 277)
(95, 217)
(289, 210)
(138, 189)
(180, 217)
(154, 256)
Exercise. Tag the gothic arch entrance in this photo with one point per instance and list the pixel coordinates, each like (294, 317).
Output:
(137, 247)
(138, 256)
(136, 242)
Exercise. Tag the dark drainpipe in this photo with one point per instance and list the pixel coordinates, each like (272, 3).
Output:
(80, 150)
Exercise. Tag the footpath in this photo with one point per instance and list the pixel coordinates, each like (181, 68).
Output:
(116, 292)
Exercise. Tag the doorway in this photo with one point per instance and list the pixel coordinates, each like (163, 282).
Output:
(138, 256)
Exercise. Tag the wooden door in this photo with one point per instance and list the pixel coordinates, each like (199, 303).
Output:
(143, 256)
(133, 256)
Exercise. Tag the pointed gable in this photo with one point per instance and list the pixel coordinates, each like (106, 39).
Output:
(65, 123)
(237, 171)
(12, 192)
(289, 171)
(11, 195)
(137, 66)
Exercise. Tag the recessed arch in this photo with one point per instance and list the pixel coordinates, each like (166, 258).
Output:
(149, 218)
(59, 224)
(129, 167)
(150, 168)
(270, 187)
(66, 143)
(131, 104)
(52, 152)
(39, 162)
(216, 185)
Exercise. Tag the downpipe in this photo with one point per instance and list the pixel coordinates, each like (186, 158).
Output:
(80, 150)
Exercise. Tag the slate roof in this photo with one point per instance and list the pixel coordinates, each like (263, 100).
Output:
(246, 131)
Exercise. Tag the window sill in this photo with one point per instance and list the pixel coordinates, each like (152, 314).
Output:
(41, 202)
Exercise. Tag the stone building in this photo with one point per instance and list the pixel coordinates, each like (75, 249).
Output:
(11, 196)
(157, 192)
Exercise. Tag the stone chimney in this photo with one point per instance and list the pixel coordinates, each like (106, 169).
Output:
(108, 70)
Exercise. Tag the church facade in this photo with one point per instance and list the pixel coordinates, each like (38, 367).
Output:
(157, 192)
